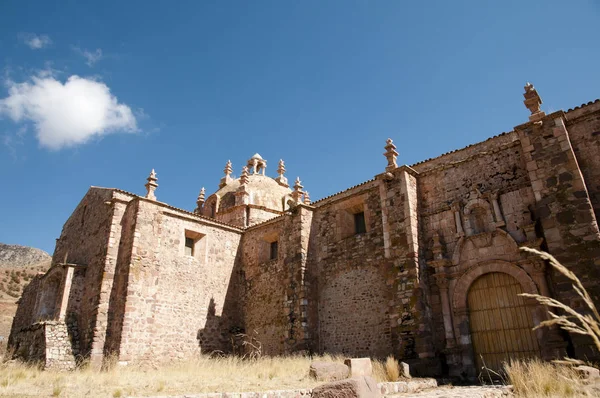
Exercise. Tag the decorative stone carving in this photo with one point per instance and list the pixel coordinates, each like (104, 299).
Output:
(532, 102)
(242, 195)
(227, 179)
(455, 206)
(493, 198)
(244, 178)
(306, 198)
(151, 185)
(257, 164)
(200, 201)
(281, 179)
(391, 155)
(437, 247)
(297, 193)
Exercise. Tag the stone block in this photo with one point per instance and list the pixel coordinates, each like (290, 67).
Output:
(359, 366)
(405, 370)
(354, 387)
(328, 371)
(588, 372)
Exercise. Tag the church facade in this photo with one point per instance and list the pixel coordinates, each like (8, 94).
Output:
(423, 262)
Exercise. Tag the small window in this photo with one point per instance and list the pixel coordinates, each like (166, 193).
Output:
(274, 250)
(189, 246)
(359, 223)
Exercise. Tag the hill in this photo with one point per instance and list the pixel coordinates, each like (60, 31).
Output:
(18, 264)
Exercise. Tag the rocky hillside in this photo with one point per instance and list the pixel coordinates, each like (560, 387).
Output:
(21, 256)
(18, 264)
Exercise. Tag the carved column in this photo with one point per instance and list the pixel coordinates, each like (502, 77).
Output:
(455, 206)
(493, 197)
(441, 279)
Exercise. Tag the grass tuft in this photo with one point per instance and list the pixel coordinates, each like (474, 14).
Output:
(535, 378)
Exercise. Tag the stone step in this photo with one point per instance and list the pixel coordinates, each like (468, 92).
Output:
(457, 392)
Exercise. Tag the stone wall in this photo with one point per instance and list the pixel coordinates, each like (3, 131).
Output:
(25, 314)
(85, 241)
(583, 125)
(265, 286)
(352, 276)
(176, 304)
(493, 170)
(119, 288)
(49, 343)
(564, 209)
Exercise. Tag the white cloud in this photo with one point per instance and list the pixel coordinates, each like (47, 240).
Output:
(91, 57)
(67, 114)
(36, 42)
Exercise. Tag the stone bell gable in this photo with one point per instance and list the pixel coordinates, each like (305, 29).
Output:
(422, 261)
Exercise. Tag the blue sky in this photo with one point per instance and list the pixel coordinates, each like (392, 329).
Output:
(99, 93)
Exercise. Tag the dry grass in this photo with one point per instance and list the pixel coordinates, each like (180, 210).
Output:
(201, 375)
(534, 378)
(571, 321)
(386, 371)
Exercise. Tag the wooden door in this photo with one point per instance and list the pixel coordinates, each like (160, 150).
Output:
(500, 321)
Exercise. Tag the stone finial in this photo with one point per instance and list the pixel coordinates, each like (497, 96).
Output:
(200, 201)
(151, 185)
(306, 198)
(297, 193)
(532, 102)
(391, 154)
(227, 179)
(228, 170)
(244, 178)
(281, 179)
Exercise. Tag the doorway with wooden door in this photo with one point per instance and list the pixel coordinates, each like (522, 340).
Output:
(501, 322)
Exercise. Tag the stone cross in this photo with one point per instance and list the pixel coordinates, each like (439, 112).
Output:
(391, 155)
(151, 185)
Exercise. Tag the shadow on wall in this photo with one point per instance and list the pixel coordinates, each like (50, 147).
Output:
(212, 338)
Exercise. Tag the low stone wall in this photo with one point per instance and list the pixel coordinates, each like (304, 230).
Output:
(263, 394)
(413, 385)
(47, 343)
(408, 386)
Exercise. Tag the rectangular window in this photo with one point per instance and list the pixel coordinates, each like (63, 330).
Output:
(274, 250)
(359, 223)
(189, 246)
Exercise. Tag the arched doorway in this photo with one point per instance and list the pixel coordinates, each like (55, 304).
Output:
(500, 320)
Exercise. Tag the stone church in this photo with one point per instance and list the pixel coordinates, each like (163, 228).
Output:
(422, 262)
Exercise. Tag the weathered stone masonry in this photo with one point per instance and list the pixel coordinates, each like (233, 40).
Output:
(395, 265)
